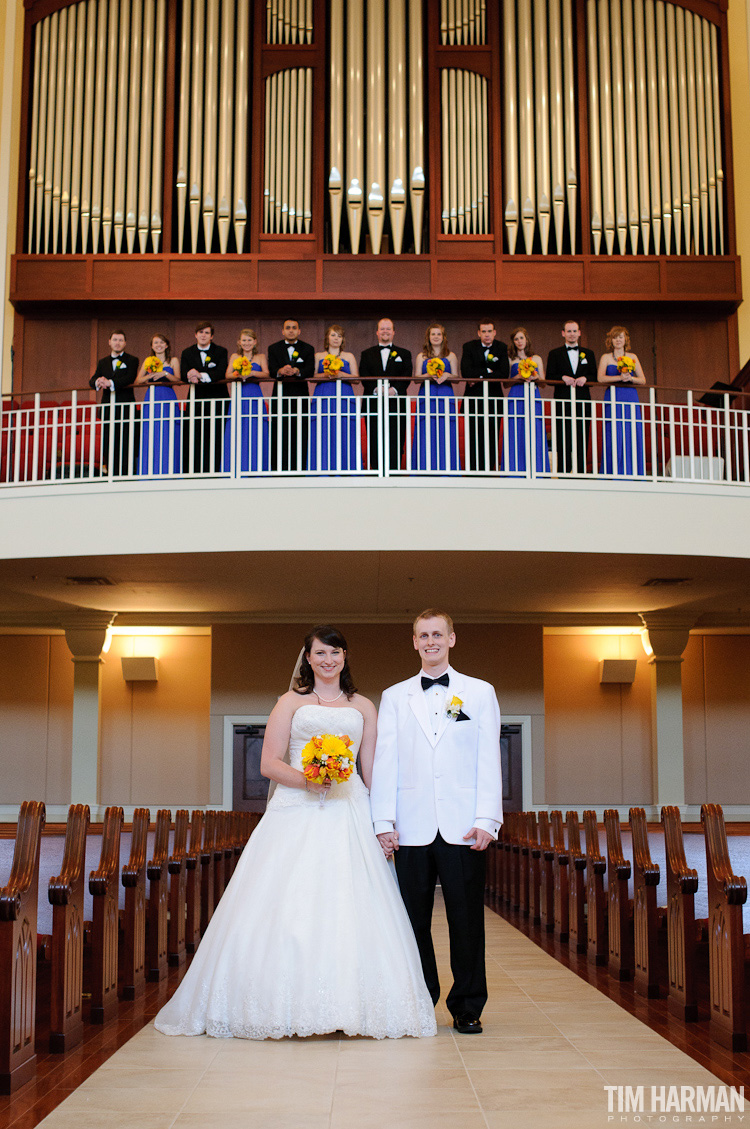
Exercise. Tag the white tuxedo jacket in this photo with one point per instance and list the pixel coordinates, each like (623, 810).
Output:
(423, 783)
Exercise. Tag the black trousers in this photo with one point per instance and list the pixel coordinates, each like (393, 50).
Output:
(294, 422)
(477, 457)
(396, 412)
(126, 434)
(201, 429)
(566, 464)
(461, 874)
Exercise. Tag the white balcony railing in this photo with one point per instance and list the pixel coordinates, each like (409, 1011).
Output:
(244, 435)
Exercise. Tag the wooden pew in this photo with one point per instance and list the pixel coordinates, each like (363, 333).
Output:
(158, 899)
(560, 877)
(507, 856)
(682, 935)
(645, 918)
(524, 867)
(535, 877)
(515, 863)
(727, 893)
(207, 869)
(66, 897)
(576, 886)
(193, 874)
(134, 881)
(18, 918)
(229, 858)
(219, 858)
(177, 867)
(547, 880)
(596, 865)
(491, 871)
(619, 920)
(103, 885)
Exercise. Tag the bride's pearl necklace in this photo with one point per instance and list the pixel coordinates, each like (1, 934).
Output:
(320, 699)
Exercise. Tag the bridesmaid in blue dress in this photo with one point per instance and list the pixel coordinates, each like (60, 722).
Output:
(623, 449)
(523, 361)
(252, 439)
(436, 368)
(161, 411)
(334, 440)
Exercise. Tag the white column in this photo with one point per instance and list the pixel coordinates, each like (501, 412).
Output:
(666, 637)
(85, 638)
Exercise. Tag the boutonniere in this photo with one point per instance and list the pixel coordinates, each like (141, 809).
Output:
(120, 364)
(295, 355)
(395, 354)
(491, 357)
(453, 707)
(208, 359)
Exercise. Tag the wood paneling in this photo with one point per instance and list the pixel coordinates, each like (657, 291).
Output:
(611, 276)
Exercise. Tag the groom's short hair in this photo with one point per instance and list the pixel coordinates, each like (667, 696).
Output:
(434, 613)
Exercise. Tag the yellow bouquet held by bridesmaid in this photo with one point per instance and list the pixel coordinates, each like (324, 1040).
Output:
(332, 364)
(328, 757)
(435, 367)
(242, 366)
(625, 365)
(527, 368)
(152, 365)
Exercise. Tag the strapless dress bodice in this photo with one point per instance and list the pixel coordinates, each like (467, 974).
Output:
(312, 720)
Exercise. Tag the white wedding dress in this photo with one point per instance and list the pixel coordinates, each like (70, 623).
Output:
(311, 935)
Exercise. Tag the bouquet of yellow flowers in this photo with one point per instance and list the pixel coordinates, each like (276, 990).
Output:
(328, 757)
(332, 363)
(527, 368)
(435, 367)
(625, 365)
(242, 366)
(152, 365)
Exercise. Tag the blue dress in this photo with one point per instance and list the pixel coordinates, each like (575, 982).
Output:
(333, 443)
(443, 432)
(160, 412)
(516, 417)
(253, 450)
(623, 450)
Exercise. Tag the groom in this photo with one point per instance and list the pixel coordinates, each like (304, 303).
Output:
(436, 800)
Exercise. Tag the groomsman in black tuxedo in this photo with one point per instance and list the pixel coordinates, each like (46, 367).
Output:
(386, 360)
(575, 366)
(291, 362)
(483, 357)
(116, 373)
(204, 365)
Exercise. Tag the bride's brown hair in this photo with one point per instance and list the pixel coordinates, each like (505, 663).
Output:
(331, 637)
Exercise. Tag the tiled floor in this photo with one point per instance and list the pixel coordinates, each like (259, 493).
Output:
(551, 1044)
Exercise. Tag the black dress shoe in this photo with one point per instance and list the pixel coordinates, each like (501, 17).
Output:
(467, 1024)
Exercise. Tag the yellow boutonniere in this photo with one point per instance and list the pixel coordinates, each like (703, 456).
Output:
(394, 353)
(453, 707)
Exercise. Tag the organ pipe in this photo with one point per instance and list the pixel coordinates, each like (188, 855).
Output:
(67, 141)
(335, 178)
(242, 64)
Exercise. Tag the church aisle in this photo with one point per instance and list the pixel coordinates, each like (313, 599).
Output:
(551, 1044)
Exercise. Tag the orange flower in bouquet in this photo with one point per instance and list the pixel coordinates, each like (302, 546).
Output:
(328, 757)
(242, 366)
(527, 368)
(435, 367)
(153, 365)
(625, 365)
(332, 363)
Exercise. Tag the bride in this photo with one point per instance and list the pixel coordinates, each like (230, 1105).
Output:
(311, 935)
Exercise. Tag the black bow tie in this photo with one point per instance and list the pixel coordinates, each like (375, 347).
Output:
(573, 348)
(428, 682)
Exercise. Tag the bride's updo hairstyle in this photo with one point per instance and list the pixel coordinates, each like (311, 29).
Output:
(332, 637)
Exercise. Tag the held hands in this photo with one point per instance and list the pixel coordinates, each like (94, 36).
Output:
(483, 839)
(103, 383)
(389, 842)
(193, 376)
(288, 370)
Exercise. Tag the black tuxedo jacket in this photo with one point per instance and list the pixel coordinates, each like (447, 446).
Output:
(475, 365)
(215, 367)
(122, 378)
(278, 357)
(558, 366)
(371, 364)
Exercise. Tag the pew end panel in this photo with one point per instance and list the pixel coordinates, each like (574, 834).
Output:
(66, 897)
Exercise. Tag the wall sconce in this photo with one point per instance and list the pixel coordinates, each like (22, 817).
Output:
(617, 670)
(141, 668)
